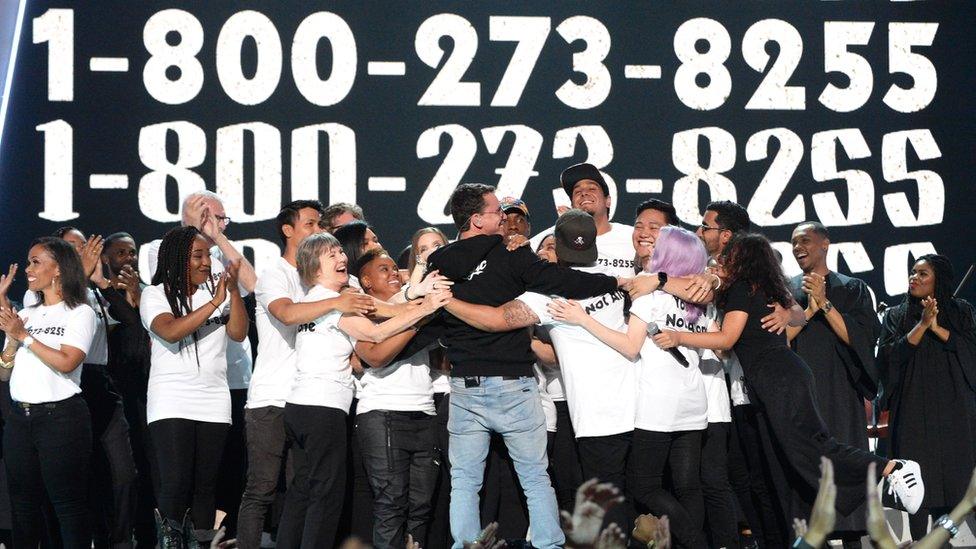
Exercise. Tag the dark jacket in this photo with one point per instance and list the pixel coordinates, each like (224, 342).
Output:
(486, 273)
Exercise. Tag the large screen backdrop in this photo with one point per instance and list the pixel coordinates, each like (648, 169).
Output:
(856, 114)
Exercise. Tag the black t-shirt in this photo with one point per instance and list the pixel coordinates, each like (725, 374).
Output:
(754, 340)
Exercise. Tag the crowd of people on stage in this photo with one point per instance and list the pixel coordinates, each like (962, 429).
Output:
(556, 385)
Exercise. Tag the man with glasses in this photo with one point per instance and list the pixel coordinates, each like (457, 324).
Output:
(721, 222)
(493, 388)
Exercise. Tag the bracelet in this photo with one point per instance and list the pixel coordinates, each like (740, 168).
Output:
(945, 522)
(801, 543)
(214, 305)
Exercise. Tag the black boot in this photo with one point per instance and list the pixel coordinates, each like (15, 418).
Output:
(169, 533)
(188, 532)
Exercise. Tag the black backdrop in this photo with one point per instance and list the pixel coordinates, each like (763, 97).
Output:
(888, 171)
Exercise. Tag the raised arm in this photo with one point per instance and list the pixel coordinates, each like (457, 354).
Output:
(627, 343)
(511, 316)
(211, 228)
(363, 329)
(238, 322)
(173, 329)
(290, 313)
(722, 340)
(378, 355)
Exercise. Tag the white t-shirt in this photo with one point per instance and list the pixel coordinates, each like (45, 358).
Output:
(274, 368)
(713, 374)
(548, 406)
(180, 385)
(98, 351)
(440, 381)
(553, 382)
(403, 386)
(323, 375)
(239, 362)
(615, 249)
(671, 397)
(31, 380)
(599, 382)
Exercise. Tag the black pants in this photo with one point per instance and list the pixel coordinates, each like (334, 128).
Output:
(134, 403)
(112, 483)
(747, 474)
(267, 449)
(47, 450)
(233, 464)
(188, 458)
(315, 498)
(564, 462)
(606, 458)
(652, 455)
(439, 532)
(398, 452)
(794, 435)
(357, 513)
(718, 496)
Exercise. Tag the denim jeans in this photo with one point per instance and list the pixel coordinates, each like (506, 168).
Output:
(511, 408)
(398, 452)
(47, 449)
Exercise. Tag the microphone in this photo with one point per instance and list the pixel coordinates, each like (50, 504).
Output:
(653, 329)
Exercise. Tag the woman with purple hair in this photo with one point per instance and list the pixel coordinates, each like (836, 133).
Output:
(671, 402)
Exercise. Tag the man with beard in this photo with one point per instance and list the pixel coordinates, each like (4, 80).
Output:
(838, 345)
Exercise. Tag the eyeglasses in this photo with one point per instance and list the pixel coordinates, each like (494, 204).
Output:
(705, 228)
(494, 212)
(223, 219)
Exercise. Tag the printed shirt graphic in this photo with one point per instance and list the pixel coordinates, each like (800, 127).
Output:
(31, 380)
(671, 397)
(323, 375)
(615, 249)
(187, 380)
(599, 382)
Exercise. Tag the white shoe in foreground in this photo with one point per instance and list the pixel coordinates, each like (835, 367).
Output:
(905, 487)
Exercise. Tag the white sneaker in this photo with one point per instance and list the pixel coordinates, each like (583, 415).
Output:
(905, 486)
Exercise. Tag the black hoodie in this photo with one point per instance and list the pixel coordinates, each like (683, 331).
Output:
(486, 273)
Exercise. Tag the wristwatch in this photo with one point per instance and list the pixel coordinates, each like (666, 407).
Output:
(28, 341)
(827, 307)
(947, 523)
(662, 279)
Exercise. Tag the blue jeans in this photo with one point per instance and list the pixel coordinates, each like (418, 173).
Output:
(511, 408)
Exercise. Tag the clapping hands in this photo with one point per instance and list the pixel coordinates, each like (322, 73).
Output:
(593, 500)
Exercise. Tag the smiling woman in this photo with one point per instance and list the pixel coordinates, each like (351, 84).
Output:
(189, 318)
(49, 428)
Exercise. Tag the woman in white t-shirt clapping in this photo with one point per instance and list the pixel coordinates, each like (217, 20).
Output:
(189, 317)
(47, 438)
(316, 409)
(672, 403)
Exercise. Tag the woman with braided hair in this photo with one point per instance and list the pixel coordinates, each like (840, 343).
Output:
(927, 358)
(190, 317)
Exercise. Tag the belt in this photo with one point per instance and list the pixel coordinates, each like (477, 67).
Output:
(26, 407)
(476, 381)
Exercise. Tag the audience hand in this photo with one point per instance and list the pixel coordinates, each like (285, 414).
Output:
(218, 540)
(648, 528)
(876, 525)
(593, 500)
(128, 281)
(436, 299)
(612, 537)
(702, 286)
(411, 544)
(232, 270)
(209, 226)
(11, 324)
(799, 527)
(568, 311)
(824, 513)
(220, 290)
(486, 539)
(433, 281)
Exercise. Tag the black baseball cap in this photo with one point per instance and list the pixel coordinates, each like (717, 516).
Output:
(576, 237)
(574, 174)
